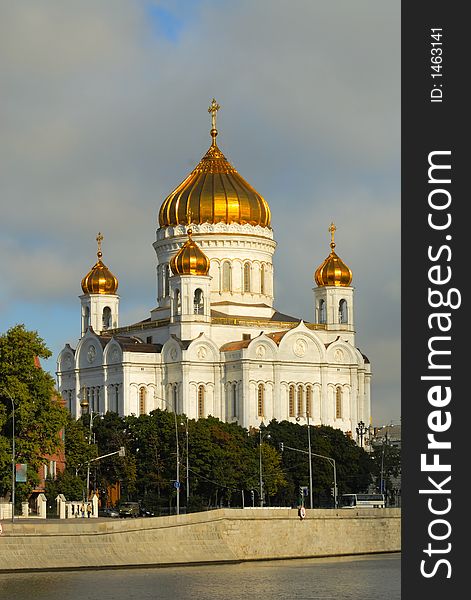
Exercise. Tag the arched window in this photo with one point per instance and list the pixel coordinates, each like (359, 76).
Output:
(338, 403)
(322, 312)
(300, 401)
(142, 400)
(86, 318)
(234, 399)
(247, 277)
(175, 398)
(177, 303)
(115, 399)
(262, 279)
(291, 401)
(198, 302)
(226, 276)
(166, 273)
(309, 401)
(106, 317)
(343, 311)
(201, 394)
(261, 400)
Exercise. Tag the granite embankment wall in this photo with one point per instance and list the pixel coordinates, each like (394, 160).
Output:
(225, 535)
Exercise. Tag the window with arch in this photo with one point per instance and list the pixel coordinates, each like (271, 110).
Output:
(142, 400)
(309, 401)
(86, 318)
(300, 401)
(247, 270)
(343, 311)
(291, 410)
(106, 317)
(201, 395)
(166, 274)
(234, 399)
(177, 302)
(338, 403)
(175, 398)
(226, 276)
(115, 399)
(262, 279)
(261, 400)
(322, 312)
(198, 302)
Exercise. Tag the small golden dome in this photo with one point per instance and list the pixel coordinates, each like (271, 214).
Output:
(100, 280)
(333, 271)
(214, 192)
(190, 259)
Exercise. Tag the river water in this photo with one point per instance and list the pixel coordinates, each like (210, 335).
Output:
(372, 577)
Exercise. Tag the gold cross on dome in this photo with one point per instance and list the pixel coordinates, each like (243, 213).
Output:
(214, 107)
(99, 239)
(332, 230)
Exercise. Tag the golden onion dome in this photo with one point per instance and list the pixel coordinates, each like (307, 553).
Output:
(99, 280)
(333, 271)
(190, 259)
(214, 192)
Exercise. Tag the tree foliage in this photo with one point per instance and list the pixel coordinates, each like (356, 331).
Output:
(39, 415)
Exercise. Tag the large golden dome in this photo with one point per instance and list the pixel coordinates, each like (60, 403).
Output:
(99, 280)
(333, 271)
(214, 192)
(190, 259)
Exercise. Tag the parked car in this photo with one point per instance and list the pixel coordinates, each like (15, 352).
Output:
(129, 509)
(108, 512)
(144, 512)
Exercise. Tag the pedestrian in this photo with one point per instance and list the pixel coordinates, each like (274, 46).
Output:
(89, 510)
(82, 510)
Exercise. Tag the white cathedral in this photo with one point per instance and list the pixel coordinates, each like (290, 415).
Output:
(215, 344)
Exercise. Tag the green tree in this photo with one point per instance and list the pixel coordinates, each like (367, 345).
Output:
(39, 416)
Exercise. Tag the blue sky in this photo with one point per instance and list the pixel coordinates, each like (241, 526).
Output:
(104, 112)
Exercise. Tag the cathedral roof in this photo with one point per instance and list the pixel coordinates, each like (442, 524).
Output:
(190, 259)
(99, 280)
(214, 192)
(333, 271)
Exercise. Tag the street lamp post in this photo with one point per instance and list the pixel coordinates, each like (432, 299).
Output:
(310, 458)
(85, 410)
(267, 435)
(330, 459)
(177, 481)
(13, 457)
(361, 429)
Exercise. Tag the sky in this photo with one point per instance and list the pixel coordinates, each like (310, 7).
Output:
(103, 112)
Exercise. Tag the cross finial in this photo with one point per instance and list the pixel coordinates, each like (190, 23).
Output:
(213, 108)
(99, 239)
(332, 230)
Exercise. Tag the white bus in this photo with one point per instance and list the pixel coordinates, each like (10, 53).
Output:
(362, 501)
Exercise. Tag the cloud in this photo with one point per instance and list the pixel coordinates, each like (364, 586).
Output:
(104, 113)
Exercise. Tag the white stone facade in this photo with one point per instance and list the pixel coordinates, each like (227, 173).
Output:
(229, 354)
